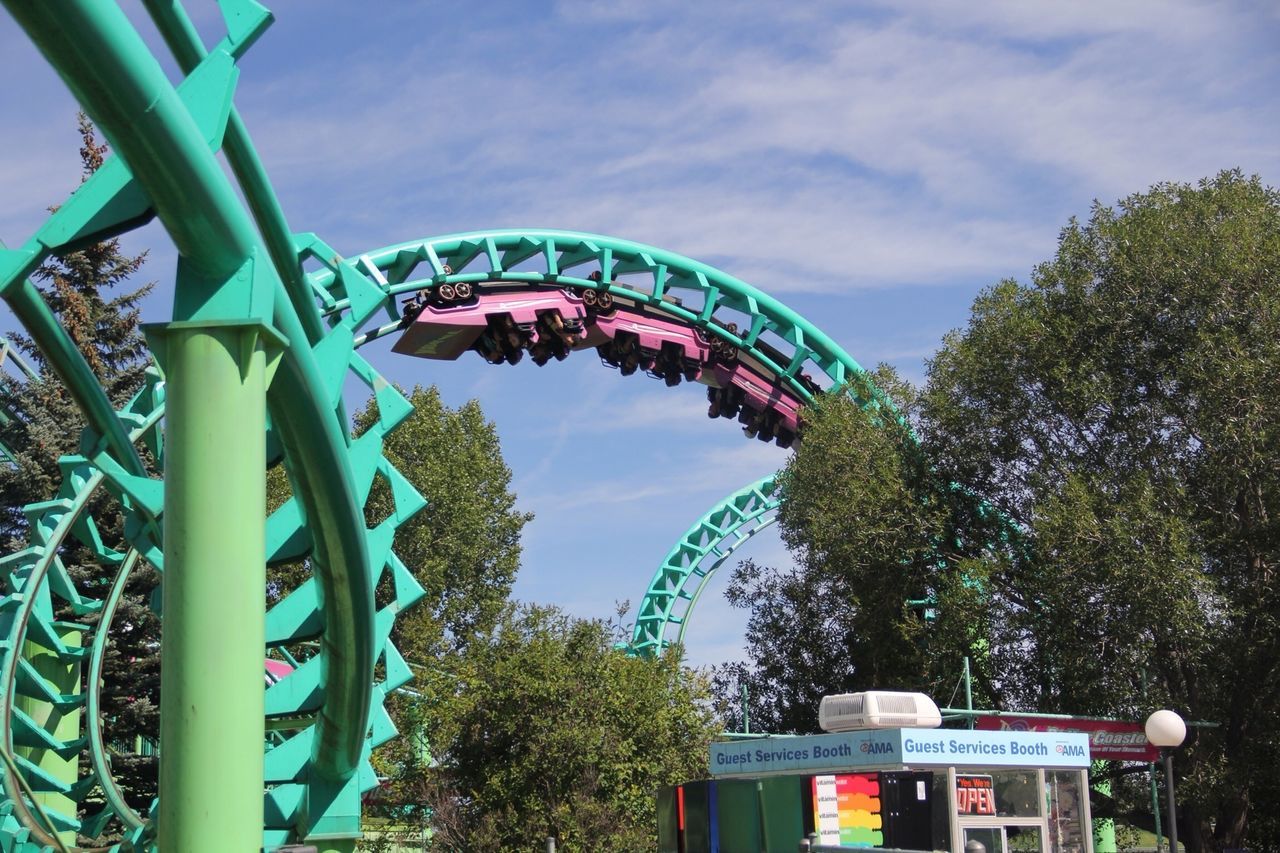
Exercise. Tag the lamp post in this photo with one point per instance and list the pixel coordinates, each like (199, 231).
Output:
(1166, 730)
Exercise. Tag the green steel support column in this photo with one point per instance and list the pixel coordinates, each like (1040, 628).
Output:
(1104, 829)
(968, 692)
(63, 678)
(212, 691)
(1155, 809)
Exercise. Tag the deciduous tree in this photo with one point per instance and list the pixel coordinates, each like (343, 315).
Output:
(463, 548)
(546, 729)
(1101, 445)
(863, 522)
(1122, 409)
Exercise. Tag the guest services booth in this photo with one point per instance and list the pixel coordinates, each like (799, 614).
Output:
(901, 788)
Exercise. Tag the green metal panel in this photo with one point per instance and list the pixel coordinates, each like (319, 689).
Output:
(738, 814)
(781, 812)
(668, 820)
(697, 816)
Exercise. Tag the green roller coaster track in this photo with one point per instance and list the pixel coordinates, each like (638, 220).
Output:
(679, 582)
(242, 312)
(667, 284)
(250, 324)
(8, 355)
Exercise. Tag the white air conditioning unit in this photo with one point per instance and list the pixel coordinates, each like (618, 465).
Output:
(877, 709)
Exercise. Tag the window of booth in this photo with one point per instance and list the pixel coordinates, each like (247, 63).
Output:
(998, 794)
(1009, 838)
(1017, 793)
(990, 837)
(1066, 811)
(1005, 810)
(1021, 811)
(1022, 839)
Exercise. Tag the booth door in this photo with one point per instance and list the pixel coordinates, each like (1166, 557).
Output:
(1003, 838)
(907, 807)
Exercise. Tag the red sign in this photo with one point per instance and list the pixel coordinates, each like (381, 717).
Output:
(1109, 740)
(975, 795)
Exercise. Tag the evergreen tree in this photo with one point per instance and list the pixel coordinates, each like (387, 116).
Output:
(88, 292)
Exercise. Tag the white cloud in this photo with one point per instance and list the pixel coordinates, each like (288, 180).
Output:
(830, 152)
(928, 142)
(665, 411)
(712, 474)
(1088, 18)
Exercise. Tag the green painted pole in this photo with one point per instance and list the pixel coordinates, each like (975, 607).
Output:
(63, 678)
(968, 692)
(1104, 828)
(212, 688)
(1155, 809)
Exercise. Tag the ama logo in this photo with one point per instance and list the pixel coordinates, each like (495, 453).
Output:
(1069, 749)
(872, 748)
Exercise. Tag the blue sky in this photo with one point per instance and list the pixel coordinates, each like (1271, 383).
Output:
(873, 165)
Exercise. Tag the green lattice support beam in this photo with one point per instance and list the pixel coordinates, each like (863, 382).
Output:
(705, 298)
(674, 591)
(164, 138)
(10, 356)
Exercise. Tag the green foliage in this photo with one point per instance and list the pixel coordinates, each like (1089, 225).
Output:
(869, 528)
(1120, 412)
(545, 729)
(521, 723)
(45, 424)
(1122, 408)
(464, 548)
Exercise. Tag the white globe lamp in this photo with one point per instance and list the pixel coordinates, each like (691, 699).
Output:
(1166, 730)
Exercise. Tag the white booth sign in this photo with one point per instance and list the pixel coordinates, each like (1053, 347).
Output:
(909, 747)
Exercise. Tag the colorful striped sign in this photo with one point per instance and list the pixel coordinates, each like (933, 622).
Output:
(846, 810)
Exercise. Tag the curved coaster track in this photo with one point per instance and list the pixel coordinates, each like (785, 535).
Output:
(266, 331)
